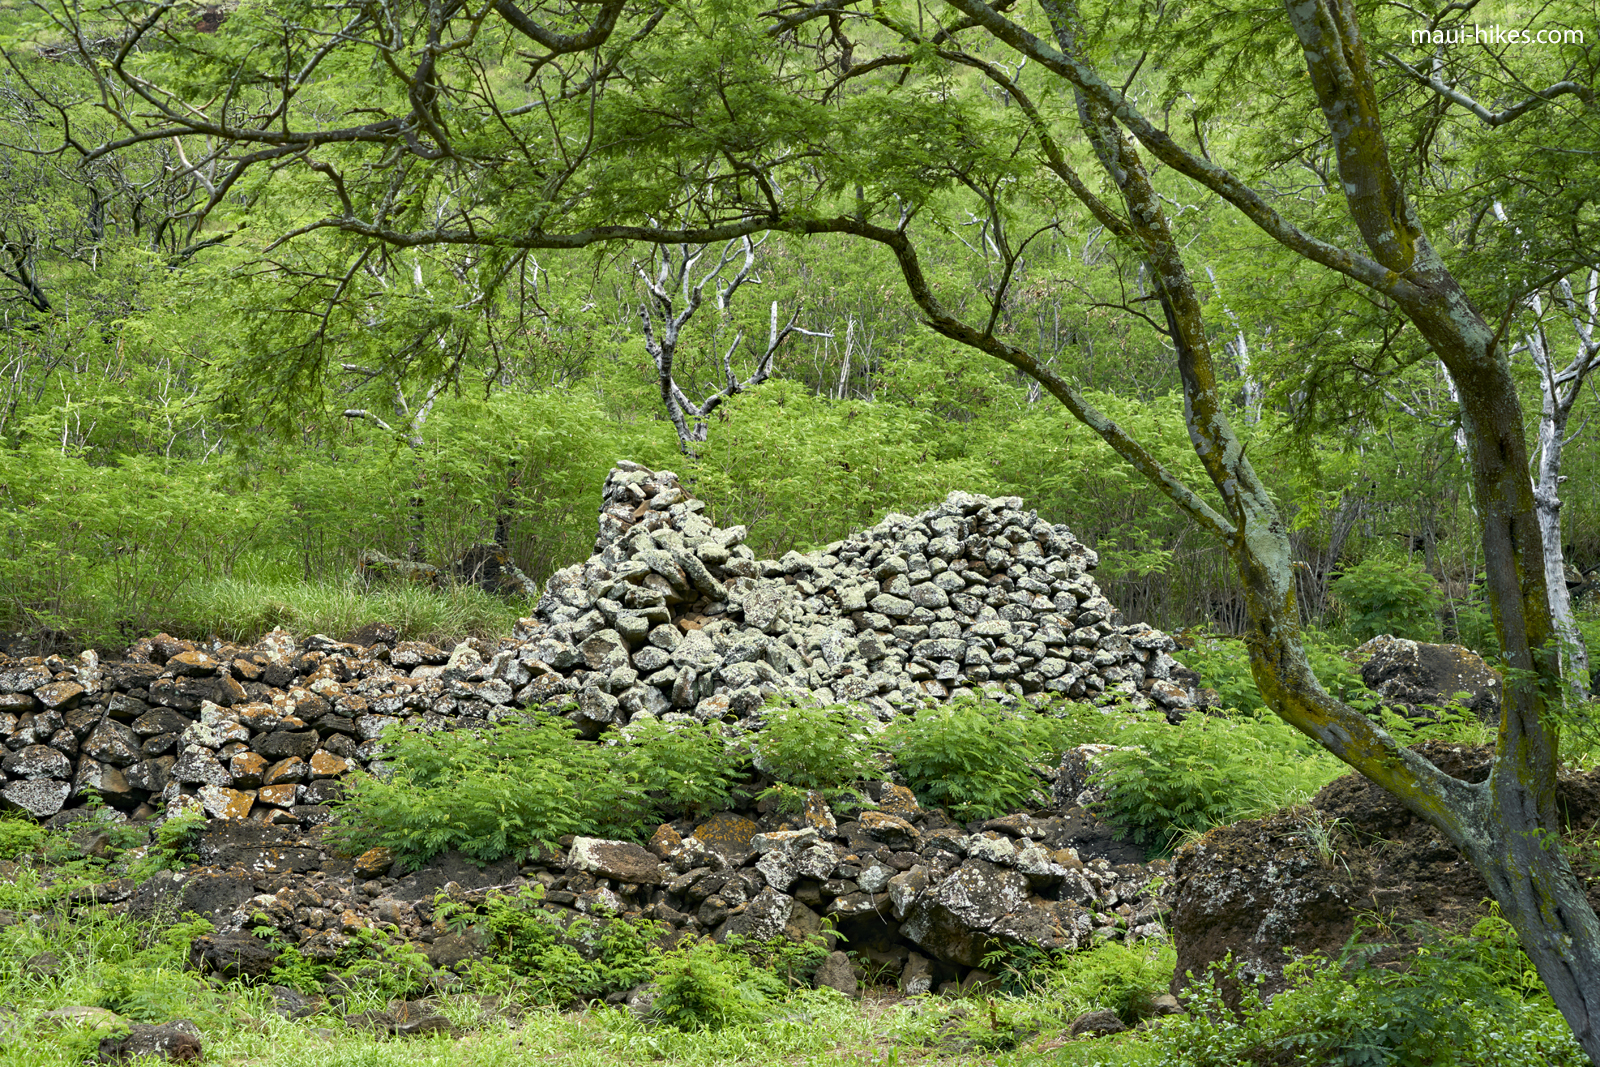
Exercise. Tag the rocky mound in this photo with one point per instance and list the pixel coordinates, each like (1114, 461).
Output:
(921, 900)
(671, 616)
(1298, 880)
(1414, 677)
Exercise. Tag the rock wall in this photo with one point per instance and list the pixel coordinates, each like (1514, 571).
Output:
(672, 616)
(921, 900)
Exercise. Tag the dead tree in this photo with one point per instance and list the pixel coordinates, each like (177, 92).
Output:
(674, 297)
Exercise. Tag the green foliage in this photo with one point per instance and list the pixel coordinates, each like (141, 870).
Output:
(1383, 596)
(511, 789)
(1113, 976)
(517, 787)
(552, 958)
(1470, 1001)
(977, 757)
(1224, 665)
(1167, 781)
(1475, 628)
(684, 767)
(175, 841)
(707, 986)
(828, 750)
(19, 835)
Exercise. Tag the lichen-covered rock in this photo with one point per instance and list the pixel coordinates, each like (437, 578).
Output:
(174, 1043)
(1262, 886)
(618, 860)
(40, 798)
(35, 762)
(1417, 676)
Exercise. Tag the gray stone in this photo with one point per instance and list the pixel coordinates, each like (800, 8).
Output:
(766, 605)
(835, 972)
(38, 797)
(602, 648)
(916, 977)
(617, 860)
(36, 762)
(111, 742)
(763, 919)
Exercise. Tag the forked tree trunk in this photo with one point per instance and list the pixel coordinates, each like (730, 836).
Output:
(1508, 826)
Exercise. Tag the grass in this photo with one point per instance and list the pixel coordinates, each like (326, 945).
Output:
(244, 606)
(243, 609)
(137, 971)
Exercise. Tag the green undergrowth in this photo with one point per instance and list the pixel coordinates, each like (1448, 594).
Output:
(1167, 782)
(538, 993)
(514, 789)
(243, 608)
(1459, 1000)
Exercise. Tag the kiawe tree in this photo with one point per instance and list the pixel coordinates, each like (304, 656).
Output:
(852, 117)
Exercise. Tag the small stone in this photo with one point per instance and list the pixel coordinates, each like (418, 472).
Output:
(1096, 1024)
(223, 803)
(374, 862)
(292, 769)
(247, 769)
(916, 977)
(277, 796)
(836, 973)
(326, 765)
(59, 695)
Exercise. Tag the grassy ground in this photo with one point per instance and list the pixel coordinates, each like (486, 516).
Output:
(1465, 1002)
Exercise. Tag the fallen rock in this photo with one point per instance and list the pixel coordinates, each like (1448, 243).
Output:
(172, 1043)
(619, 860)
(1096, 1024)
(1415, 677)
(1259, 887)
(836, 973)
(233, 956)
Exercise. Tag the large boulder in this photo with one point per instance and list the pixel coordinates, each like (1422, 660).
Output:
(233, 955)
(1298, 880)
(1414, 676)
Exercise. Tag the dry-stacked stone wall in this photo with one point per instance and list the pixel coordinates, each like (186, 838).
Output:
(675, 618)
(675, 615)
(671, 617)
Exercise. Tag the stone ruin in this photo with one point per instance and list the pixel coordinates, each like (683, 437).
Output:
(671, 617)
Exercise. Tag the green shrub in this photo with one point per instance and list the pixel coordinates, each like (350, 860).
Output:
(507, 790)
(1475, 628)
(707, 986)
(977, 757)
(519, 786)
(1171, 780)
(1379, 596)
(1467, 1001)
(554, 960)
(1122, 978)
(684, 767)
(18, 836)
(825, 749)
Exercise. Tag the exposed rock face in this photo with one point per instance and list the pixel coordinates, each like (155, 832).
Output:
(1413, 674)
(1258, 887)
